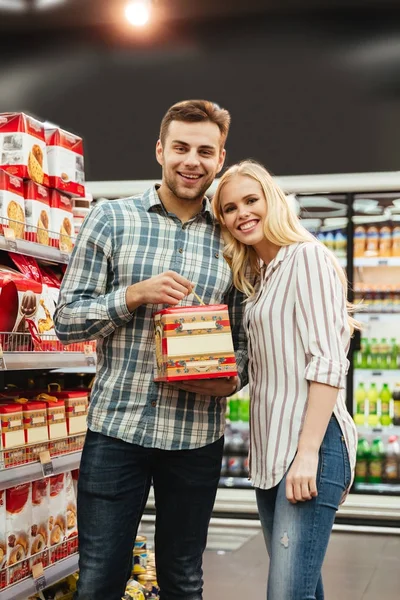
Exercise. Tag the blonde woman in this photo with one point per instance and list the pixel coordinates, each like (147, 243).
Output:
(303, 440)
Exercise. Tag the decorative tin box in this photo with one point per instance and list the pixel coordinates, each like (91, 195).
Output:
(193, 342)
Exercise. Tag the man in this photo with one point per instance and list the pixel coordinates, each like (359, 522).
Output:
(133, 257)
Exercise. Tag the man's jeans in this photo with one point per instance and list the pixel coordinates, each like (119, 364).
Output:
(297, 535)
(113, 487)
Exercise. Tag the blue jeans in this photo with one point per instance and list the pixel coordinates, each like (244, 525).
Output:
(297, 535)
(113, 488)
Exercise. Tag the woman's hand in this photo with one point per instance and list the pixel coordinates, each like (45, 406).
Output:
(301, 480)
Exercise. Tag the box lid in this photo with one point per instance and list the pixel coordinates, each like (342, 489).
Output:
(189, 309)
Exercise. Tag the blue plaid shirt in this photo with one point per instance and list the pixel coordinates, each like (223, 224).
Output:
(120, 243)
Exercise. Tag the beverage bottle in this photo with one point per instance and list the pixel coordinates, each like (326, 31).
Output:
(340, 244)
(394, 352)
(234, 408)
(386, 302)
(360, 239)
(396, 297)
(384, 354)
(376, 461)
(374, 354)
(367, 297)
(385, 397)
(321, 237)
(396, 404)
(385, 241)
(360, 397)
(396, 241)
(391, 471)
(330, 241)
(365, 353)
(373, 396)
(372, 246)
(361, 473)
(244, 408)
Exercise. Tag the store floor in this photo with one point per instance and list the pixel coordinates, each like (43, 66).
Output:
(357, 567)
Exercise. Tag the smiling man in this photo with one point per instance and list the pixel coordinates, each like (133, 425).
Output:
(133, 257)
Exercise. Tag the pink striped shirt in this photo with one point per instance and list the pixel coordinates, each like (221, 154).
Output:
(298, 332)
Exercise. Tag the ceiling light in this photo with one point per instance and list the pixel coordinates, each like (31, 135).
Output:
(13, 5)
(39, 4)
(138, 12)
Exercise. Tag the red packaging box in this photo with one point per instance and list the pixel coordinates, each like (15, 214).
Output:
(62, 222)
(37, 213)
(12, 207)
(23, 147)
(66, 162)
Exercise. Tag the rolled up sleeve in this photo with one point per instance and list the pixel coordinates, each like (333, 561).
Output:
(321, 317)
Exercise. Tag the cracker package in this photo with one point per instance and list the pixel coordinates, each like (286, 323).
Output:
(39, 531)
(37, 213)
(71, 514)
(23, 147)
(62, 234)
(12, 207)
(18, 523)
(193, 342)
(65, 160)
(57, 517)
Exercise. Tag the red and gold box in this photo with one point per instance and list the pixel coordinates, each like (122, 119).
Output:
(193, 342)
(76, 408)
(35, 422)
(12, 426)
(65, 160)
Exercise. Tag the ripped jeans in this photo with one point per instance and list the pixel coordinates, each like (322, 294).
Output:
(297, 535)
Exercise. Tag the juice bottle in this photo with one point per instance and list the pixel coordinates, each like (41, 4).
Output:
(396, 241)
(394, 354)
(330, 241)
(360, 240)
(374, 354)
(391, 470)
(360, 396)
(385, 397)
(376, 461)
(365, 353)
(234, 408)
(363, 449)
(384, 354)
(385, 241)
(372, 246)
(396, 404)
(373, 397)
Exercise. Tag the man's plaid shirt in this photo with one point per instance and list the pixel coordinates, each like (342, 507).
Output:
(120, 243)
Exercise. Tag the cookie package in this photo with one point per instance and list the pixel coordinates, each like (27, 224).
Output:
(62, 221)
(37, 213)
(65, 161)
(12, 207)
(23, 147)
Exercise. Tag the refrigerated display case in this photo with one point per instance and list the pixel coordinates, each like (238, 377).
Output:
(334, 207)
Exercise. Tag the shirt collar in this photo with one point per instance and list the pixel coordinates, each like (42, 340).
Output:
(150, 199)
(283, 253)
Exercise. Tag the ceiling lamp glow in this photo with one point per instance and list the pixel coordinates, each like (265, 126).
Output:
(13, 5)
(47, 3)
(138, 13)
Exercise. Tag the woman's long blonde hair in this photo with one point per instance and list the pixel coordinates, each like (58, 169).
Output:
(282, 227)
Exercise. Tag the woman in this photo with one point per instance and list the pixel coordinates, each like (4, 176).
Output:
(303, 440)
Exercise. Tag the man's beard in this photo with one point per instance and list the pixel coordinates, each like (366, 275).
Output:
(188, 194)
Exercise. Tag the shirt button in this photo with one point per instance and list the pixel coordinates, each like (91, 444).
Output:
(216, 255)
(154, 404)
(180, 250)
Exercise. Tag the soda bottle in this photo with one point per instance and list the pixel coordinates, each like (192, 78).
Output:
(396, 404)
(396, 241)
(394, 352)
(385, 397)
(361, 473)
(373, 397)
(360, 239)
(234, 408)
(330, 241)
(365, 353)
(372, 241)
(340, 244)
(384, 354)
(376, 461)
(385, 241)
(360, 396)
(391, 472)
(374, 354)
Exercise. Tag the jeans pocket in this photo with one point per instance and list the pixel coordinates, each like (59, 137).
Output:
(346, 463)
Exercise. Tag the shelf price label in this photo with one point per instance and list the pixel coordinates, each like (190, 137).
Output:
(383, 262)
(65, 256)
(47, 463)
(39, 577)
(9, 235)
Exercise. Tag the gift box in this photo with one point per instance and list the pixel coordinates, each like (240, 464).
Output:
(193, 342)
(65, 160)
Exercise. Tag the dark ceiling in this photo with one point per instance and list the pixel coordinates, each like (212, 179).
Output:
(92, 13)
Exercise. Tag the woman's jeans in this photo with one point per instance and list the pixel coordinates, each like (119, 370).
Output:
(113, 487)
(297, 535)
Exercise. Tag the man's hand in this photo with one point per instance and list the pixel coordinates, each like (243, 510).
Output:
(221, 386)
(301, 480)
(166, 288)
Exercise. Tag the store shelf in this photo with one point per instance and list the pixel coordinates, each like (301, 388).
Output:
(16, 361)
(384, 373)
(392, 489)
(378, 317)
(33, 471)
(377, 262)
(23, 589)
(38, 251)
